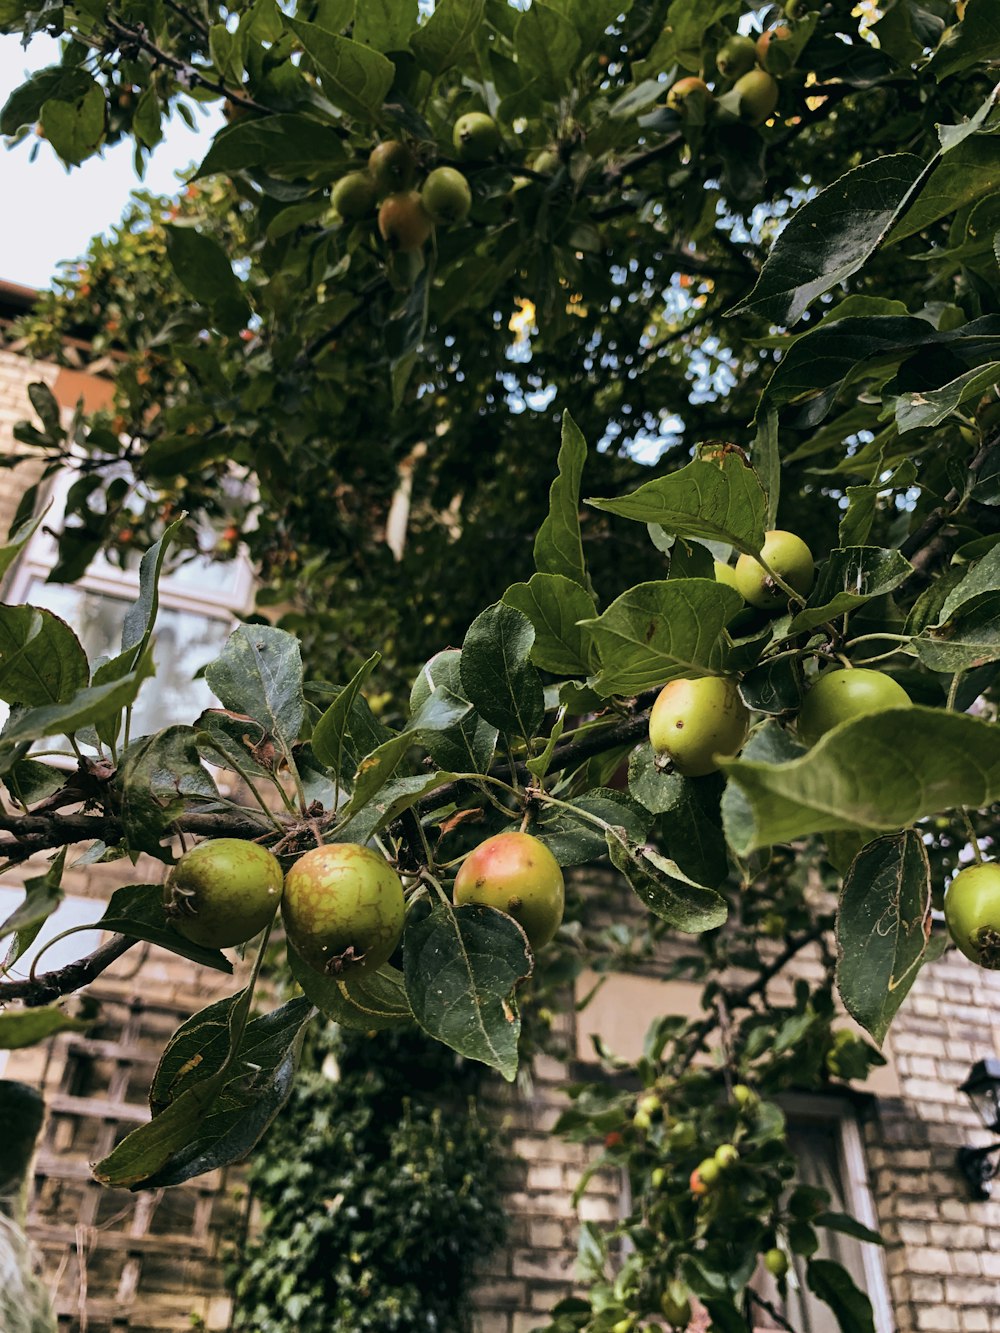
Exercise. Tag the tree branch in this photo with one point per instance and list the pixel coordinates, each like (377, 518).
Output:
(188, 73)
(35, 991)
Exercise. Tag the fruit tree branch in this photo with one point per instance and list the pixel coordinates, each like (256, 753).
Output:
(50, 986)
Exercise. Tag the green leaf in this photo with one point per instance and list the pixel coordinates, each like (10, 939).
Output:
(689, 827)
(879, 772)
(218, 1117)
(204, 271)
(966, 173)
(830, 237)
(136, 910)
(447, 35)
(883, 926)
(470, 746)
(573, 839)
(42, 895)
(18, 540)
(286, 145)
(973, 41)
(834, 1285)
(26, 1027)
(259, 673)
(706, 500)
(766, 458)
(41, 659)
(848, 1226)
(147, 120)
(75, 128)
(496, 671)
(657, 632)
(85, 708)
(160, 777)
(555, 604)
(850, 577)
(354, 77)
(461, 967)
(983, 577)
(367, 1003)
(593, 19)
(393, 797)
(547, 46)
(662, 887)
(141, 615)
(385, 25)
(30, 781)
(65, 83)
(558, 544)
(969, 639)
(331, 732)
(930, 407)
(770, 744)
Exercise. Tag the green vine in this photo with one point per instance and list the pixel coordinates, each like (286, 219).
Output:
(379, 1189)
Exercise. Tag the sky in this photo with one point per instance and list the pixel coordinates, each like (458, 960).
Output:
(49, 213)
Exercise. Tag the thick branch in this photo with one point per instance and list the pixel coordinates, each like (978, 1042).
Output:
(64, 980)
(936, 520)
(38, 833)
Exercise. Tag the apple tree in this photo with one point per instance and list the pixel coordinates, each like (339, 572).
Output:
(613, 393)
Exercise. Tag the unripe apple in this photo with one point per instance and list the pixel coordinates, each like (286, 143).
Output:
(725, 1155)
(972, 912)
(446, 196)
(840, 695)
(222, 892)
(776, 1262)
(743, 1096)
(651, 1104)
(774, 50)
(704, 1176)
(519, 875)
(693, 722)
(476, 136)
(791, 560)
(675, 1304)
(547, 163)
(393, 167)
(658, 1178)
(682, 1135)
(736, 57)
(642, 1121)
(692, 99)
(758, 94)
(354, 196)
(403, 222)
(343, 909)
(726, 574)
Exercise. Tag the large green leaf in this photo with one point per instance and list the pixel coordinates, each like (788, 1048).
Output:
(19, 538)
(65, 83)
(982, 577)
(834, 1285)
(883, 927)
(461, 967)
(447, 34)
(972, 41)
(159, 778)
(284, 145)
(558, 544)
(663, 888)
(707, 500)
(970, 638)
(330, 734)
(966, 173)
(75, 128)
(41, 659)
(688, 824)
(204, 270)
(259, 673)
(385, 25)
(42, 895)
(657, 632)
(85, 708)
(547, 47)
(848, 578)
(468, 747)
(572, 835)
(929, 407)
(354, 77)
(216, 1113)
(368, 1003)
(830, 237)
(136, 910)
(555, 605)
(496, 671)
(880, 773)
(26, 1027)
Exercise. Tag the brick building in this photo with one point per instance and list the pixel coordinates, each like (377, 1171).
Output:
(152, 1263)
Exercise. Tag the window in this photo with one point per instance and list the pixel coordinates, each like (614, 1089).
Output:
(824, 1135)
(197, 605)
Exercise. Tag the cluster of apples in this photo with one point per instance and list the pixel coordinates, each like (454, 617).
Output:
(342, 904)
(749, 66)
(406, 215)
